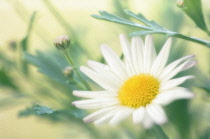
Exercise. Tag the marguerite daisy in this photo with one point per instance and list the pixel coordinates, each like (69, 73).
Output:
(138, 87)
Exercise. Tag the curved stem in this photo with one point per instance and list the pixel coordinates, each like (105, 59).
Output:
(68, 57)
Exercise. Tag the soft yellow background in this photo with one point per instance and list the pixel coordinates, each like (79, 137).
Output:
(77, 13)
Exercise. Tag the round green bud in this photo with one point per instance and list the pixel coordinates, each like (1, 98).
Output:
(62, 42)
(68, 71)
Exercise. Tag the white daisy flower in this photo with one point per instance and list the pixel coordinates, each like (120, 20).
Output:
(138, 87)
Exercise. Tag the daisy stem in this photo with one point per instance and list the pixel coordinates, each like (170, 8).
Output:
(160, 132)
(68, 57)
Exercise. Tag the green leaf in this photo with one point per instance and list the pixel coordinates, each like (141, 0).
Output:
(141, 18)
(151, 27)
(158, 132)
(36, 110)
(113, 18)
(193, 9)
(6, 80)
(25, 44)
(43, 110)
(52, 65)
(70, 114)
(179, 115)
(205, 134)
(141, 33)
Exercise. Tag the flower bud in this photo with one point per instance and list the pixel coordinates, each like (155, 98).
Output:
(180, 3)
(68, 71)
(62, 42)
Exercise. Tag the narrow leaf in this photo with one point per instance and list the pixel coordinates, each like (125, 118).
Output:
(43, 110)
(51, 65)
(25, 44)
(141, 33)
(113, 18)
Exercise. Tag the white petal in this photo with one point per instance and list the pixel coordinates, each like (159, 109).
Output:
(134, 54)
(176, 70)
(99, 79)
(149, 53)
(105, 71)
(140, 54)
(174, 82)
(138, 115)
(97, 66)
(168, 96)
(98, 114)
(114, 62)
(96, 103)
(156, 113)
(95, 94)
(189, 65)
(147, 121)
(127, 54)
(161, 59)
(173, 65)
(108, 115)
(121, 115)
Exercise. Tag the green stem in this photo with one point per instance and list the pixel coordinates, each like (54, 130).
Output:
(68, 57)
(159, 131)
(193, 39)
(173, 34)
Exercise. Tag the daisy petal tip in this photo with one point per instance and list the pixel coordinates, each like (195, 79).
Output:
(122, 36)
(192, 96)
(149, 36)
(162, 121)
(74, 103)
(89, 62)
(82, 68)
(97, 124)
(195, 62)
(137, 122)
(75, 93)
(192, 55)
(169, 41)
(165, 120)
(147, 126)
(85, 120)
(103, 46)
(170, 38)
(191, 77)
(113, 124)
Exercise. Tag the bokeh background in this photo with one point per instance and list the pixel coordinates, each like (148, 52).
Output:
(27, 26)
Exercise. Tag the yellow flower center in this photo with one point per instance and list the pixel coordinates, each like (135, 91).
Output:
(139, 90)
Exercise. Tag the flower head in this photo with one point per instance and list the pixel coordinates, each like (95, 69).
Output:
(62, 42)
(139, 86)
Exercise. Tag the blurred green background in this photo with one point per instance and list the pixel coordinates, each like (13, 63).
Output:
(27, 26)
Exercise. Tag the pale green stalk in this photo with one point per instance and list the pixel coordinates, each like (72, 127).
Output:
(68, 57)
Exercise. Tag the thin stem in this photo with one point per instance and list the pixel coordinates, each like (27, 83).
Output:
(68, 57)
(193, 39)
(158, 130)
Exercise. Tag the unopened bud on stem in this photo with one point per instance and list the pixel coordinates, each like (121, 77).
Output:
(180, 3)
(62, 42)
(68, 71)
